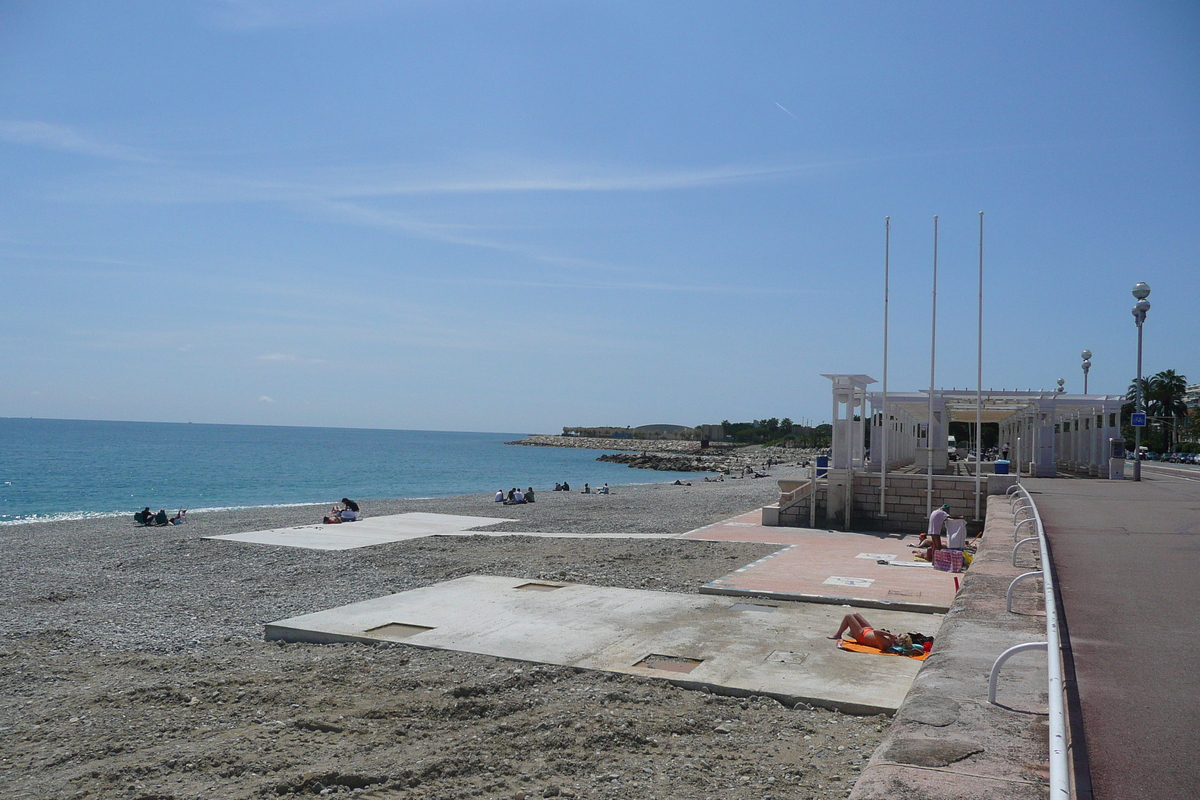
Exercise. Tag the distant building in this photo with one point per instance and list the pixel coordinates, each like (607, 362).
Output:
(1191, 399)
(661, 431)
(1191, 396)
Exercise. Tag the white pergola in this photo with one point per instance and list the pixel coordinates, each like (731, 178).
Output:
(1044, 431)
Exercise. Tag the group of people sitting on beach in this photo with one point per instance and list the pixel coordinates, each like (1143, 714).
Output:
(148, 517)
(515, 496)
(348, 511)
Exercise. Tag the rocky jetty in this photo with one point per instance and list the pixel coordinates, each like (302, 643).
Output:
(676, 462)
(674, 455)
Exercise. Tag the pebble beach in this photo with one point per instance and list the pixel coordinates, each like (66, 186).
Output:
(133, 665)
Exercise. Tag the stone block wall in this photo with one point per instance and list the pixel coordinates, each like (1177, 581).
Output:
(905, 504)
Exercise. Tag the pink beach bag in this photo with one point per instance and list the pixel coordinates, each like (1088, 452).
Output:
(948, 560)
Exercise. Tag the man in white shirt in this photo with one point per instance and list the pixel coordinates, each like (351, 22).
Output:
(936, 520)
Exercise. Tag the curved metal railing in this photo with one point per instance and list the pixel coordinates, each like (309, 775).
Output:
(1060, 777)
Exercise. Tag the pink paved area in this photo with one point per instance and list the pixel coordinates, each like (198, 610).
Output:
(830, 567)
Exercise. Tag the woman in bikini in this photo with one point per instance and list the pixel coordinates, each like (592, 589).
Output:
(863, 633)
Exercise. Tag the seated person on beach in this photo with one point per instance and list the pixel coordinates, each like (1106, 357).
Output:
(512, 493)
(499, 498)
(566, 486)
(529, 495)
(586, 489)
(178, 518)
(143, 517)
(864, 634)
(161, 517)
(558, 487)
(604, 489)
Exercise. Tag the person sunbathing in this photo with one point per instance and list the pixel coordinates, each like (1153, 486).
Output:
(864, 634)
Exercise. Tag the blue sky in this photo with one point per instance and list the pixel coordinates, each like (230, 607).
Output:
(518, 216)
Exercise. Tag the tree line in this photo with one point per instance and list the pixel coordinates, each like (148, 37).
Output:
(1171, 426)
(779, 432)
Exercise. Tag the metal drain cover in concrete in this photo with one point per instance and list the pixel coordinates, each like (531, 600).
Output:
(692, 640)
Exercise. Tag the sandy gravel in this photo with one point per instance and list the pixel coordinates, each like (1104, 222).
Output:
(132, 665)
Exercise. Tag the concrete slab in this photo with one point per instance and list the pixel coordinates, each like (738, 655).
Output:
(365, 532)
(820, 566)
(545, 535)
(731, 647)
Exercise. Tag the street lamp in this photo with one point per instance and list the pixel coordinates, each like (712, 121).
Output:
(1061, 385)
(1140, 291)
(1087, 364)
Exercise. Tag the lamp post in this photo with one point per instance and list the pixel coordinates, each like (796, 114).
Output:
(1061, 385)
(1087, 364)
(1140, 291)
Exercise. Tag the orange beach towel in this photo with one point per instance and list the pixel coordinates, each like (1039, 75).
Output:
(846, 644)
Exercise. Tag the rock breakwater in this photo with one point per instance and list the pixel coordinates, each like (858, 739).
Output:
(681, 456)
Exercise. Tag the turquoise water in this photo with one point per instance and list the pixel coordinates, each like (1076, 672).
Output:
(56, 469)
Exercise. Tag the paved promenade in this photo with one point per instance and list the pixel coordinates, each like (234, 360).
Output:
(1128, 561)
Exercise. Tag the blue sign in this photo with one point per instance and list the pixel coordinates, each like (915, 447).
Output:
(1137, 420)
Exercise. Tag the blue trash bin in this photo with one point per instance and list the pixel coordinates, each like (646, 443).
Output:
(1001, 467)
(822, 466)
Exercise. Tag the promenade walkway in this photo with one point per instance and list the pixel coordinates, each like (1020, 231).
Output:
(1128, 561)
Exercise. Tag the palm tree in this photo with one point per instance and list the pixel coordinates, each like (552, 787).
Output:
(1164, 394)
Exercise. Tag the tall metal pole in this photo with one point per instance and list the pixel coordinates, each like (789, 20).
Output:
(883, 464)
(1137, 431)
(1140, 291)
(979, 377)
(932, 361)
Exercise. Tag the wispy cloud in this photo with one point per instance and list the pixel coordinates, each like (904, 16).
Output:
(289, 358)
(558, 178)
(264, 399)
(51, 136)
(384, 196)
(246, 15)
(790, 114)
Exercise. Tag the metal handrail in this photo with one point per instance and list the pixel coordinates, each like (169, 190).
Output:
(1060, 777)
(1008, 598)
(1017, 547)
(1017, 529)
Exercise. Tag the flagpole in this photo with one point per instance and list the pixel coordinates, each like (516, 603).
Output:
(883, 464)
(932, 362)
(979, 378)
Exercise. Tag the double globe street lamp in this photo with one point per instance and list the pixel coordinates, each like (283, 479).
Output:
(1087, 364)
(1140, 291)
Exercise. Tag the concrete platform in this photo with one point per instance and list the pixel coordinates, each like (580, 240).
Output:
(365, 532)
(727, 646)
(820, 566)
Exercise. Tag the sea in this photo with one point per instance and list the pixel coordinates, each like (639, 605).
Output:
(74, 469)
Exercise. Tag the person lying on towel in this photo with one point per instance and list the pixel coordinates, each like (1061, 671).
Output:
(864, 634)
